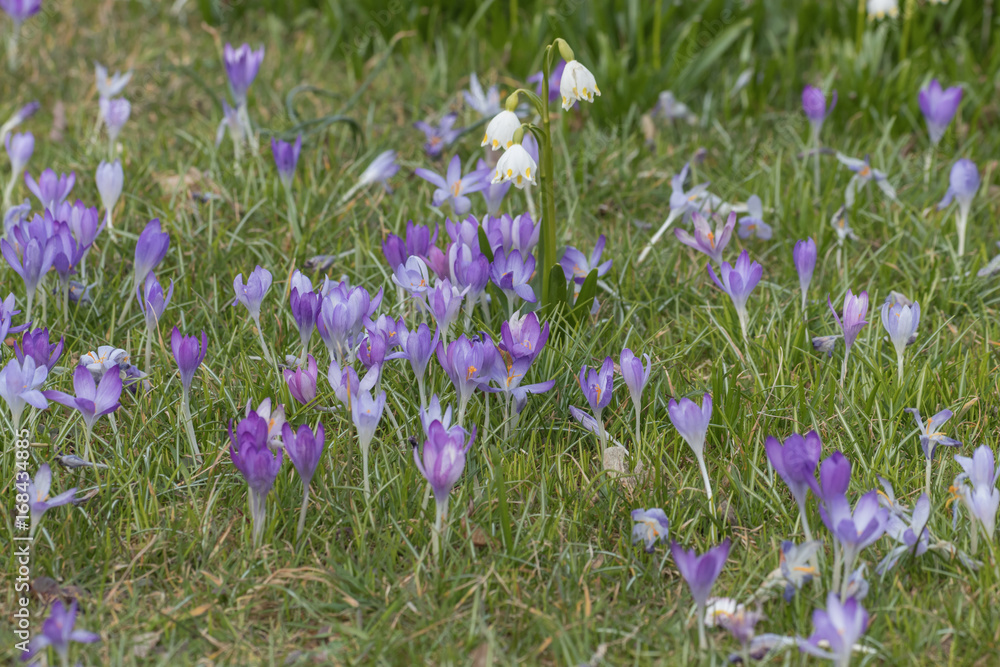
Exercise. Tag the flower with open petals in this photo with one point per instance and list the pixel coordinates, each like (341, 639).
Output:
(484, 103)
(753, 224)
(705, 240)
(51, 189)
(651, 526)
(931, 435)
(439, 136)
(39, 501)
(58, 630)
(838, 627)
(863, 175)
(453, 188)
(92, 400)
(577, 83)
(109, 86)
(577, 266)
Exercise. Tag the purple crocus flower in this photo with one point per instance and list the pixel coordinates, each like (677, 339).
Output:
(700, 573)
(7, 314)
(464, 231)
(704, 240)
(418, 347)
(59, 629)
(909, 531)
(854, 531)
(286, 158)
(305, 309)
(39, 501)
(419, 242)
(651, 526)
(241, 69)
(115, 113)
(795, 462)
(257, 462)
(518, 233)
(738, 282)
(797, 565)
(252, 293)
(50, 189)
(35, 260)
(304, 448)
(578, 266)
(521, 340)
(855, 310)
(381, 169)
(20, 10)
(412, 276)
(83, 222)
(931, 435)
(523, 336)
(685, 203)
(92, 400)
(976, 488)
(962, 187)
(366, 412)
(692, 423)
(188, 353)
(346, 384)
(493, 193)
(302, 381)
(466, 361)
(19, 387)
(444, 303)
(838, 627)
(341, 318)
(635, 376)
(374, 347)
(485, 103)
(443, 459)
(439, 136)
(470, 269)
(597, 385)
(753, 224)
(35, 344)
(153, 301)
(19, 150)
(900, 322)
(453, 188)
(863, 175)
(434, 413)
(555, 77)
(814, 105)
(512, 272)
(804, 255)
(938, 106)
(150, 249)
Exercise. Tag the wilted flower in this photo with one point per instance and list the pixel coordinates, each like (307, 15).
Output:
(576, 83)
(439, 136)
(738, 282)
(753, 224)
(651, 526)
(841, 226)
(963, 184)
(454, 187)
(704, 240)
(692, 423)
(804, 255)
(700, 573)
(900, 323)
(517, 166)
(936, 103)
(39, 501)
(59, 629)
(258, 463)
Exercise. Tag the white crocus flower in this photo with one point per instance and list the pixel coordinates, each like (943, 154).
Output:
(517, 166)
(500, 131)
(577, 83)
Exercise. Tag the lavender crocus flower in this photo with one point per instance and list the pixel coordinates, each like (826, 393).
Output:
(753, 224)
(738, 282)
(439, 136)
(577, 266)
(59, 629)
(466, 361)
(493, 193)
(92, 400)
(286, 158)
(976, 488)
(515, 358)
(651, 526)
(938, 106)
(19, 149)
(814, 105)
(51, 189)
(115, 113)
(418, 347)
(381, 169)
(486, 104)
(855, 311)
(863, 175)
(838, 627)
(900, 322)
(796, 566)
(305, 309)
(150, 250)
(597, 385)
(304, 449)
(700, 573)
(931, 435)
(109, 86)
(804, 255)
(692, 423)
(962, 187)
(35, 344)
(7, 314)
(37, 256)
(684, 204)
(241, 65)
(412, 276)
(302, 381)
(795, 462)
(443, 459)
(434, 413)
(103, 359)
(341, 318)
(252, 293)
(853, 530)
(445, 303)
(19, 387)
(366, 412)
(508, 233)
(471, 272)
(704, 240)
(453, 188)
(39, 501)
(635, 377)
(188, 353)
(258, 463)
(511, 272)
(20, 10)
(110, 181)
(346, 384)
(910, 532)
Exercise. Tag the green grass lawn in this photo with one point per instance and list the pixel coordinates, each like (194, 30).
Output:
(538, 565)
